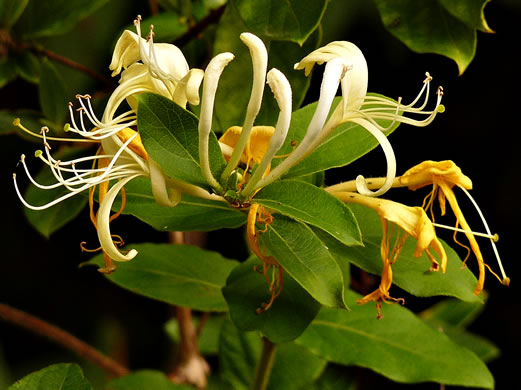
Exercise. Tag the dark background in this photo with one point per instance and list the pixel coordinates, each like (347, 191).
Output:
(479, 131)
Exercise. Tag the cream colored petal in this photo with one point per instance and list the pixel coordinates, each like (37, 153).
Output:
(187, 89)
(125, 53)
(159, 187)
(103, 224)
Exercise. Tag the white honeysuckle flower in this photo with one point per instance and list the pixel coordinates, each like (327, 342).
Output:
(211, 80)
(281, 89)
(259, 57)
(146, 66)
(360, 108)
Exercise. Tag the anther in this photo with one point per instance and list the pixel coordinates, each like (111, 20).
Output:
(47, 146)
(439, 92)
(66, 127)
(44, 129)
(22, 158)
(70, 104)
(57, 163)
(428, 78)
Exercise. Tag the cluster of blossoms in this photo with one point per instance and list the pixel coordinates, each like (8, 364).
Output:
(249, 149)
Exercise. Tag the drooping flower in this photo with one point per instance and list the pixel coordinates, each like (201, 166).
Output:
(414, 222)
(444, 176)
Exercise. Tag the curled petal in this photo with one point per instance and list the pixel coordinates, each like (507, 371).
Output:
(188, 88)
(125, 53)
(103, 223)
(361, 185)
(159, 187)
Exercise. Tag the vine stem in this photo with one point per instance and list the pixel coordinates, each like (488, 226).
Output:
(60, 336)
(265, 365)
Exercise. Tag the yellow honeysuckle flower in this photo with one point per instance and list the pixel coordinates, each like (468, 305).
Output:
(444, 176)
(414, 222)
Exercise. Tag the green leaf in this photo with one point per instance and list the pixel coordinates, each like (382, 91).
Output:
(290, 314)
(53, 98)
(145, 380)
(10, 11)
(306, 258)
(436, 26)
(190, 214)
(470, 12)
(47, 18)
(28, 67)
(451, 316)
(309, 204)
(7, 71)
(410, 273)
(181, 275)
(30, 119)
(239, 354)
(281, 20)
(454, 312)
(207, 340)
(399, 346)
(62, 376)
(50, 220)
(171, 138)
(334, 377)
(347, 143)
(235, 83)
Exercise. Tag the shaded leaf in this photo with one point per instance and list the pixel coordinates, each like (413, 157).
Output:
(309, 204)
(399, 346)
(53, 99)
(10, 11)
(410, 273)
(281, 20)
(190, 214)
(47, 18)
(50, 220)
(239, 354)
(168, 26)
(30, 119)
(171, 137)
(62, 376)
(28, 67)
(7, 71)
(290, 314)
(181, 275)
(306, 258)
(334, 377)
(145, 380)
(435, 26)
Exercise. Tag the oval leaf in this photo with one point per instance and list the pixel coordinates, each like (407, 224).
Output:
(190, 214)
(306, 258)
(63, 376)
(181, 275)
(281, 20)
(171, 137)
(309, 204)
(291, 313)
(399, 346)
(428, 27)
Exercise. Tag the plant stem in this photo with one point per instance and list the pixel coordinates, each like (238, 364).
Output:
(59, 336)
(265, 365)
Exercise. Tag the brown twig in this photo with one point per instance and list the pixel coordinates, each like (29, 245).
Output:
(59, 336)
(199, 27)
(154, 7)
(73, 64)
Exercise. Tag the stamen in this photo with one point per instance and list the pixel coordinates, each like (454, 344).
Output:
(506, 279)
(493, 237)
